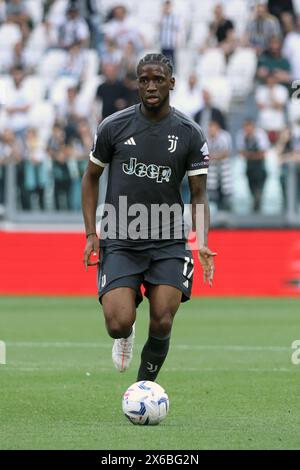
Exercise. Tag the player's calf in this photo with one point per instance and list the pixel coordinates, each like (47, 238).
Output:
(153, 356)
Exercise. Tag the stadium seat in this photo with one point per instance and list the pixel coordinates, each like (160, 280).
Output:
(42, 117)
(186, 59)
(35, 88)
(238, 12)
(293, 111)
(35, 10)
(272, 193)
(3, 117)
(57, 12)
(58, 90)
(149, 33)
(220, 90)
(38, 40)
(51, 64)
(131, 5)
(241, 71)
(6, 87)
(296, 4)
(203, 11)
(88, 91)
(242, 201)
(198, 34)
(93, 63)
(212, 63)
(182, 9)
(147, 11)
(5, 59)
(10, 34)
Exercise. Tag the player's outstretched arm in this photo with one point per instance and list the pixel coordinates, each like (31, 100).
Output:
(90, 191)
(197, 186)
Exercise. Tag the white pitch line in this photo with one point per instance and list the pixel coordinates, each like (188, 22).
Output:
(171, 369)
(231, 347)
(92, 345)
(55, 344)
(212, 369)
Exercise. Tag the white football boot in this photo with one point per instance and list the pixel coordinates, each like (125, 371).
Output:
(122, 351)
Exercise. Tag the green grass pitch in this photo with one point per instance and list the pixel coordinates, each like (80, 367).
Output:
(229, 377)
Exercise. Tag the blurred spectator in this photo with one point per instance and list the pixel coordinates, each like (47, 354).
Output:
(252, 144)
(35, 168)
(272, 61)
(221, 28)
(219, 180)
(23, 193)
(18, 104)
(209, 113)
(132, 94)
(90, 11)
(78, 149)
(222, 32)
(4, 159)
(43, 37)
(122, 29)
(291, 47)
(76, 62)
(2, 11)
(277, 7)
(27, 35)
(47, 5)
(271, 100)
(70, 111)
(60, 169)
(112, 92)
(8, 153)
(287, 23)
(129, 59)
(169, 32)
(16, 12)
(74, 29)
(262, 28)
(288, 150)
(188, 96)
(110, 53)
(18, 57)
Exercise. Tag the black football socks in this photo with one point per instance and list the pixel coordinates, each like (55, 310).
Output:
(153, 356)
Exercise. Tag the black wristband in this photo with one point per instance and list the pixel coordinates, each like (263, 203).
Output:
(88, 234)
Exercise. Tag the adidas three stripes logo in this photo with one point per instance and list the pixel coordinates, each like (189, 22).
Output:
(130, 141)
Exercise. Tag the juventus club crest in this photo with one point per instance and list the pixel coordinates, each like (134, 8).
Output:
(173, 143)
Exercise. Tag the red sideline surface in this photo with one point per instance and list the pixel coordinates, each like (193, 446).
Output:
(249, 263)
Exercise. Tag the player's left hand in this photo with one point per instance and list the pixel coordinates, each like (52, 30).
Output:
(206, 257)
(90, 255)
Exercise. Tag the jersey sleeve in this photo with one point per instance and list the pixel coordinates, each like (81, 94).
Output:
(102, 150)
(198, 157)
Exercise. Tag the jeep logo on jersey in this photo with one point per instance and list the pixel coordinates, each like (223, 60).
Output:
(173, 143)
(160, 173)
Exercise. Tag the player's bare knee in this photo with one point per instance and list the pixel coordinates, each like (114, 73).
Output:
(118, 328)
(161, 325)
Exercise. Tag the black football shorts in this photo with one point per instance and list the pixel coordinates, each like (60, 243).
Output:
(133, 265)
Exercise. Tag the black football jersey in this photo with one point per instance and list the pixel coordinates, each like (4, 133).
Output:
(147, 162)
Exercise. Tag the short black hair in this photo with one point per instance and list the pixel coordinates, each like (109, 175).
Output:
(155, 59)
(249, 120)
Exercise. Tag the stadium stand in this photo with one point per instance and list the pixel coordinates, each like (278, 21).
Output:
(64, 44)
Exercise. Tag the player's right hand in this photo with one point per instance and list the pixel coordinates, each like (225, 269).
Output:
(206, 257)
(91, 250)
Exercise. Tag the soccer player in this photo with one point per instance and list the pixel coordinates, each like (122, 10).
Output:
(149, 147)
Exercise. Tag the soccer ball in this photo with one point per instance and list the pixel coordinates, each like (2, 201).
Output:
(145, 403)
